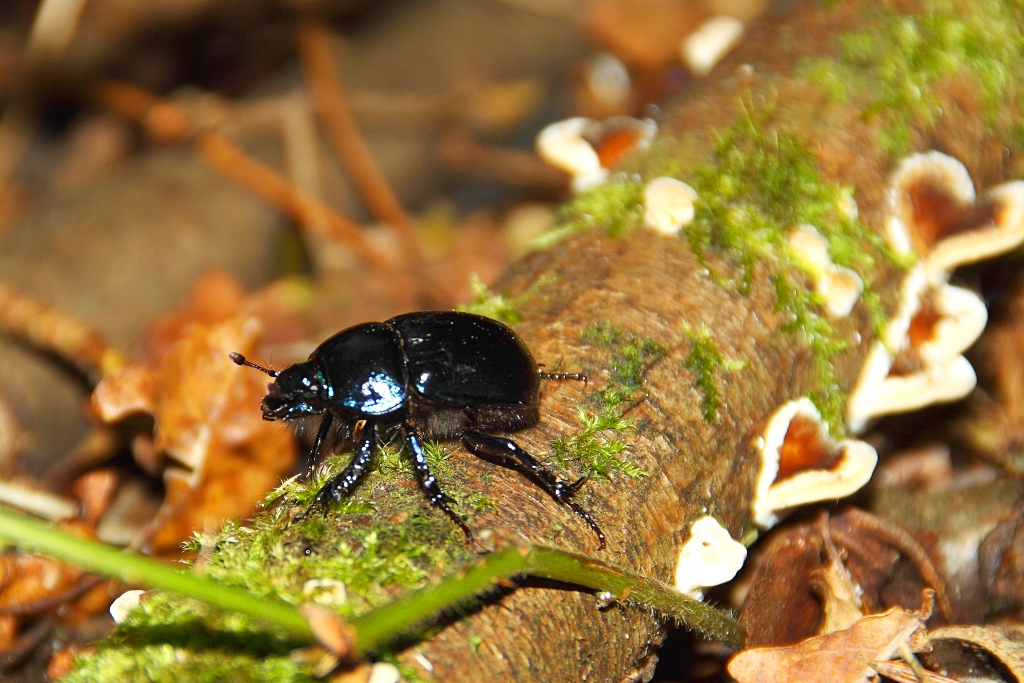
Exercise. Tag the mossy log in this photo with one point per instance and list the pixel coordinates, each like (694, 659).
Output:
(691, 343)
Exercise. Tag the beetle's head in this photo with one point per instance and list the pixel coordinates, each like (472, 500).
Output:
(297, 391)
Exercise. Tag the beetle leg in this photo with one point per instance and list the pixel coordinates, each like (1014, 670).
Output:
(561, 376)
(318, 442)
(509, 453)
(428, 482)
(577, 485)
(338, 487)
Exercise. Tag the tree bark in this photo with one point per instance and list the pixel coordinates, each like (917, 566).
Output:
(651, 286)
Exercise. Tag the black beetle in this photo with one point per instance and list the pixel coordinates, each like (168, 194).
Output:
(433, 375)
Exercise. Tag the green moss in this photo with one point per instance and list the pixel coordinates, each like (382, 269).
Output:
(377, 552)
(821, 337)
(704, 358)
(761, 183)
(597, 446)
(891, 69)
(593, 449)
(602, 334)
(630, 358)
(615, 205)
(494, 306)
(498, 306)
(170, 639)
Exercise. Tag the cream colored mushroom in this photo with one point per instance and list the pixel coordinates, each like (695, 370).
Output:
(384, 672)
(920, 362)
(953, 319)
(935, 173)
(710, 557)
(838, 287)
(801, 464)
(998, 234)
(934, 212)
(124, 604)
(705, 47)
(668, 205)
(587, 149)
(562, 145)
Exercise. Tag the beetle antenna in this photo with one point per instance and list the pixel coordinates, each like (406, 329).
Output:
(239, 359)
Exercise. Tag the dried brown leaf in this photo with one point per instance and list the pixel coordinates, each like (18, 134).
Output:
(130, 391)
(96, 490)
(208, 419)
(215, 296)
(206, 409)
(198, 386)
(840, 656)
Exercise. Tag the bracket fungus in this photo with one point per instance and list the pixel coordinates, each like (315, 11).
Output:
(668, 205)
(838, 287)
(802, 464)
(709, 558)
(124, 604)
(934, 212)
(705, 47)
(588, 149)
(921, 362)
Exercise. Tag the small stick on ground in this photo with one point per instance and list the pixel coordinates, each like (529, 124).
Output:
(353, 152)
(234, 164)
(48, 329)
(166, 122)
(903, 541)
(461, 154)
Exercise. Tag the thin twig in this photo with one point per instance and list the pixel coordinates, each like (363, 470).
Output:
(168, 123)
(389, 621)
(343, 132)
(57, 332)
(162, 120)
(908, 656)
(27, 642)
(900, 539)
(130, 568)
(38, 502)
(26, 609)
(231, 162)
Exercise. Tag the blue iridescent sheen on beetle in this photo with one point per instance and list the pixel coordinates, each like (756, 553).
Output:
(431, 375)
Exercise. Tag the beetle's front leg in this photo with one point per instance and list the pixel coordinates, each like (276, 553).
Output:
(318, 442)
(508, 453)
(338, 487)
(427, 481)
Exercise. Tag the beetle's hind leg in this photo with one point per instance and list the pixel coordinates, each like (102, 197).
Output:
(338, 487)
(428, 482)
(508, 453)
